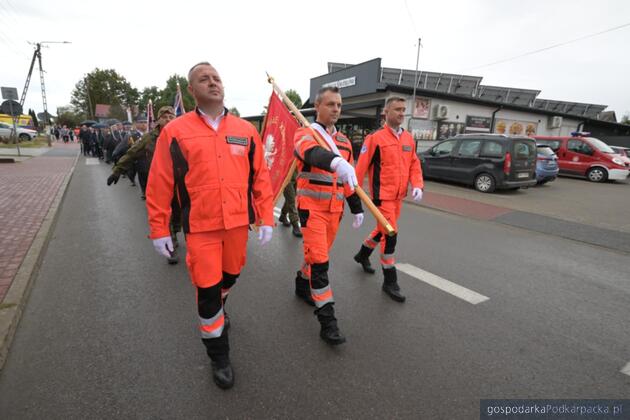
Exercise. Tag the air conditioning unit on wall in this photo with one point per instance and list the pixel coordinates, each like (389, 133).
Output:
(440, 112)
(554, 122)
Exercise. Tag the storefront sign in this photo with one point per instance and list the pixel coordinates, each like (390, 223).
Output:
(422, 129)
(447, 129)
(350, 81)
(515, 128)
(422, 108)
(478, 124)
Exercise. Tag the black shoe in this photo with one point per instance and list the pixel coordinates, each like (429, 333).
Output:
(303, 289)
(283, 219)
(143, 197)
(393, 291)
(332, 336)
(133, 184)
(364, 260)
(223, 374)
(296, 231)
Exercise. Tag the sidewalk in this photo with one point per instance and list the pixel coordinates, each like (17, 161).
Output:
(30, 195)
(582, 232)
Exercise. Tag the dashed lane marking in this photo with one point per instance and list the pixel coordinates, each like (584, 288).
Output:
(447, 286)
(626, 369)
(92, 161)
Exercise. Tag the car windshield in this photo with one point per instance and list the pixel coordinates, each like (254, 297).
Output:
(600, 145)
(545, 151)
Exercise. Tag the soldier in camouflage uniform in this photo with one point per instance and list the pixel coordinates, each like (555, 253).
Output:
(144, 149)
(289, 207)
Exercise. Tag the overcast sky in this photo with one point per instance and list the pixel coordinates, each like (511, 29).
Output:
(146, 42)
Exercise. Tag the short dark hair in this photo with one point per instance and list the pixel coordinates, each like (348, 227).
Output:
(324, 89)
(394, 99)
(201, 63)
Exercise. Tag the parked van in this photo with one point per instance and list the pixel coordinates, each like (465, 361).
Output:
(584, 156)
(485, 161)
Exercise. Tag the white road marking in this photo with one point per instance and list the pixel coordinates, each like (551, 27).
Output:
(626, 369)
(447, 286)
(92, 161)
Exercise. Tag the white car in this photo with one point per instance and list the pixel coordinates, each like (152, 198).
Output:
(23, 133)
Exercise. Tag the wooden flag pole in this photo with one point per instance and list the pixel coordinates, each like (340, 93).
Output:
(286, 181)
(360, 192)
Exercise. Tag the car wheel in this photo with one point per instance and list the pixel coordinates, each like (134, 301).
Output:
(24, 137)
(485, 183)
(597, 174)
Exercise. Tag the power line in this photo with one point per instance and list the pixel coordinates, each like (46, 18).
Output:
(550, 47)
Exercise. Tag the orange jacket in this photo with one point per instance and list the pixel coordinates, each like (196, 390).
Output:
(317, 186)
(392, 164)
(221, 177)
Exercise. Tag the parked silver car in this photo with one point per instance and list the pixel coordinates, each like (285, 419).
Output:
(23, 133)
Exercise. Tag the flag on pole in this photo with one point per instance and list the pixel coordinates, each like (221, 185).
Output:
(277, 138)
(179, 102)
(150, 117)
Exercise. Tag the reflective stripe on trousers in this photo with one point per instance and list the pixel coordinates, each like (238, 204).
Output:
(212, 327)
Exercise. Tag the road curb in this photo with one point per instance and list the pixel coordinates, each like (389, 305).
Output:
(15, 300)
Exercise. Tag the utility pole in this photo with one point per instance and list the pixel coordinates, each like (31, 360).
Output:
(37, 54)
(415, 85)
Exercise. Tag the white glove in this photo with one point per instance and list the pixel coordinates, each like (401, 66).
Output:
(358, 220)
(416, 194)
(344, 171)
(164, 246)
(264, 235)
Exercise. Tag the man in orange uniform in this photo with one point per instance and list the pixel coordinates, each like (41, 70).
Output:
(389, 154)
(215, 161)
(325, 178)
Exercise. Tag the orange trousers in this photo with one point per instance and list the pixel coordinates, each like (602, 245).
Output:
(391, 211)
(320, 230)
(214, 261)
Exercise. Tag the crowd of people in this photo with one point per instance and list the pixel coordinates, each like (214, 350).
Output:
(208, 176)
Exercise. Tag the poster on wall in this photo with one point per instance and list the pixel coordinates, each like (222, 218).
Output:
(478, 124)
(422, 129)
(422, 108)
(446, 129)
(515, 128)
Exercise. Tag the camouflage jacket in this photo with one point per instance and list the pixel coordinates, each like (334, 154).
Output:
(142, 149)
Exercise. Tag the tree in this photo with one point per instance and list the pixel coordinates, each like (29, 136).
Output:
(69, 116)
(234, 111)
(167, 95)
(103, 87)
(625, 119)
(295, 98)
(147, 93)
(34, 118)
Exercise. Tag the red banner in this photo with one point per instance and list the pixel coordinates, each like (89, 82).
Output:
(277, 138)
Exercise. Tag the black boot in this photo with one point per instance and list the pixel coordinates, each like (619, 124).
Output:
(390, 285)
(219, 351)
(222, 373)
(363, 258)
(302, 289)
(283, 219)
(330, 332)
(296, 231)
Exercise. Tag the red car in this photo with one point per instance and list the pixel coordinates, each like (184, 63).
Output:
(580, 155)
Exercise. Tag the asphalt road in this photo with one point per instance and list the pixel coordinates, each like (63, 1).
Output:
(110, 329)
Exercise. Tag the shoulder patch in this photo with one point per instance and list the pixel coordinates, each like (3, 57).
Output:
(341, 138)
(241, 141)
(363, 149)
